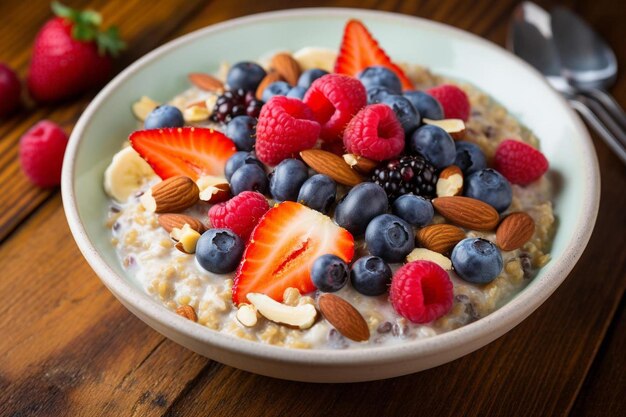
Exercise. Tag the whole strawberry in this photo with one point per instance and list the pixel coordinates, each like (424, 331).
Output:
(71, 55)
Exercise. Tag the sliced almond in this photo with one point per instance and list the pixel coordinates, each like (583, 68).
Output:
(209, 103)
(171, 195)
(271, 77)
(247, 315)
(334, 166)
(360, 164)
(440, 237)
(196, 114)
(514, 231)
(143, 107)
(213, 189)
(455, 127)
(467, 212)
(186, 239)
(284, 64)
(423, 254)
(450, 182)
(169, 221)
(344, 317)
(206, 82)
(302, 316)
(187, 312)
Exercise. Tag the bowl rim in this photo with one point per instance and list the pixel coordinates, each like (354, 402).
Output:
(496, 323)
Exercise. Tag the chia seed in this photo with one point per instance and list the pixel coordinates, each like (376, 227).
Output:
(384, 327)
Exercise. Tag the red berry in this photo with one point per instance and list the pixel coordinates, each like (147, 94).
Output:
(286, 126)
(334, 147)
(9, 90)
(421, 291)
(454, 101)
(41, 153)
(239, 214)
(374, 133)
(519, 162)
(334, 100)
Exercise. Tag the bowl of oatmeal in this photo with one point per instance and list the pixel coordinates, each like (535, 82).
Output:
(332, 255)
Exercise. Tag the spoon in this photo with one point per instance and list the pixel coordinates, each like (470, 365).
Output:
(530, 38)
(587, 61)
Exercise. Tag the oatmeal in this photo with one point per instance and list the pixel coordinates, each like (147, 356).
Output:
(325, 251)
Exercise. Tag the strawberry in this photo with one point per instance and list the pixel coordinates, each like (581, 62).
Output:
(282, 249)
(189, 151)
(71, 55)
(359, 50)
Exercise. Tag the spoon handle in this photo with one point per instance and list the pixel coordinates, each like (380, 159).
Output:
(599, 127)
(609, 103)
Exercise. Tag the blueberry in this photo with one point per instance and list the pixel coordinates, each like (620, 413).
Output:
(164, 116)
(237, 160)
(378, 76)
(242, 130)
(287, 178)
(370, 275)
(357, 208)
(278, 88)
(219, 250)
(491, 187)
(427, 105)
(329, 273)
(248, 177)
(414, 209)
(469, 157)
(389, 237)
(308, 76)
(376, 94)
(477, 260)
(435, 144)
(318, 193)
(297, 92)
(245, 75)
(408, 117)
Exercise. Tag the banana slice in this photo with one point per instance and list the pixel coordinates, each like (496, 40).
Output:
(313, 57)
(125, 174)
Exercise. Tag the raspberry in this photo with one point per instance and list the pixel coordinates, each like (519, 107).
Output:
(519, 162)
(286, 126)
(335, 99)
(239, 214)
(41, 153)
(454, 101)
(374, 133)
(421, 291)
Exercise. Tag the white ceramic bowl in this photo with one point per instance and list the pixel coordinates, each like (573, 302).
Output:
(161, 73)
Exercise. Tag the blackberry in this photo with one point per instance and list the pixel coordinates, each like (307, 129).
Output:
(236, 103)
(409, 174)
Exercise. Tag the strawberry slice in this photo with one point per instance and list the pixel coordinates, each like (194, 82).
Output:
(360, 50)
(282, 249)
(188, 151)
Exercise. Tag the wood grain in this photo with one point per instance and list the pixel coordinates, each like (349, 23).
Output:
(74, 350)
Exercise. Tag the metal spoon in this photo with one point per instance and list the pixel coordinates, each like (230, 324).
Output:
(587, 61)
(530, 38)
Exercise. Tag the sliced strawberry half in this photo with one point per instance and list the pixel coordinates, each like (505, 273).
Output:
(282, 249)
(188, 151)
(360, 50)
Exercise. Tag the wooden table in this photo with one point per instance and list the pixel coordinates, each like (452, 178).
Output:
(67, 347)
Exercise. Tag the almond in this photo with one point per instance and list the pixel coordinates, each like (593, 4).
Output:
(344, 317)
(334, 166)
(284, 64)
(450, 182)
(440, 238)
(206, 82)
(360, 164)
(271, 77)
(169, 221)
(171, 195)
(515, 230)
(455, 127)
(467, 212)
(213, 189)
(423, 254)
(143, 107)
(187, 312)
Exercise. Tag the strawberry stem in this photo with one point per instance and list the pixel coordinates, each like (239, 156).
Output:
(86, 28)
